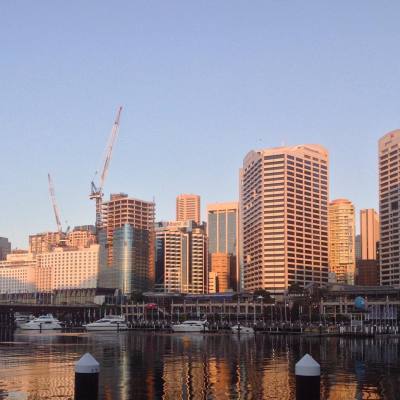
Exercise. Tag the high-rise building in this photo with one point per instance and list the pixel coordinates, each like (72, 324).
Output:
(17, 273)
(367, 272)
(223, 237)
(219, 274)
(389, 203)
(188, 208)
(82, 236)
(127, 239)
(342, 257)
(44, 242)
(5, 248)
(68, 268)
(181, 258)
(369, 231)
(284, 206)
(358, 247)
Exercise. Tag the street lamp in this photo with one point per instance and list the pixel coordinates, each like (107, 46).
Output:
(261, 298)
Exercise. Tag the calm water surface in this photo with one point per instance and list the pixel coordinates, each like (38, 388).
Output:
(182, 366)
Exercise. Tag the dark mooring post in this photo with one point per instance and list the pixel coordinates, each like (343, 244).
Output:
(308, 379)
(87, 378)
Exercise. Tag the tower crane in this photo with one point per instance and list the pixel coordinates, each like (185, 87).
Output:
(55, 207)
(97, 191)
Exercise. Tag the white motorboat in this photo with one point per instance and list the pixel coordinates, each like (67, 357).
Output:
(108, 323)
(44, 322)
(241, 329)
(20, 318)
(190, 326)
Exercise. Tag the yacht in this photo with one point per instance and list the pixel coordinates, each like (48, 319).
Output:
(241, 329)
(190, 326)
(108, 323)
(44, 322)
(20, 319)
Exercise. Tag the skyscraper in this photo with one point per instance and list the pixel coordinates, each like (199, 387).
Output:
(369, 231)
(223, 237)
(5, 248)
(284, 205)
(342, 257)
(127, 239)
(188, 207)
(181, 258)
(389, 198)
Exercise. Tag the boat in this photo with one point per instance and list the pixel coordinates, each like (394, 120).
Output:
(108, 323)
(241, 329)
(20, 319)
(190, 326)
(44, 322)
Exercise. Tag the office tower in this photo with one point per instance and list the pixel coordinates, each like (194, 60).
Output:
(367, 272)
(223, 237)
(181, 258)
(82, 236)
(342, 256)
(220, 273)
(188, 207)
(389, 197)
(358, 247)
(43, 242)
(68, 268)
(127, 240)
(284, 205)
(17, 273)
(5, 248)
(369, 231)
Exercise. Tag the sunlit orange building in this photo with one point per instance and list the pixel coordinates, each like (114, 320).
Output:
(188, 208)
(342, 254)
(284, 215)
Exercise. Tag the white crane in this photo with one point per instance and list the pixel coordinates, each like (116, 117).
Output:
(54, 203)
(97, 191)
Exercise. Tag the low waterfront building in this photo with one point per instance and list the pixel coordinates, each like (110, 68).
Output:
(17, 273)
(68, 268)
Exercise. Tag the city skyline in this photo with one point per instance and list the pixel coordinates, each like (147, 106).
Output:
(189, 99)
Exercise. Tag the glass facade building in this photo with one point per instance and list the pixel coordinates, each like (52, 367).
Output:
(223, 236)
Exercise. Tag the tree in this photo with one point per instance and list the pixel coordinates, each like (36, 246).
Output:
(295, 288)
(266, 296)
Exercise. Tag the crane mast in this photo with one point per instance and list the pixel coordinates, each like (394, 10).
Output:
(97, 191)
(54, 203)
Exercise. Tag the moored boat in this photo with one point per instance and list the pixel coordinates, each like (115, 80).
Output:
(44, 322)
(108, 323)
(190, 326)
(20, 319)
(241, 329)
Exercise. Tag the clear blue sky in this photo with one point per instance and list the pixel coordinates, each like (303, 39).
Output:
(201, 82)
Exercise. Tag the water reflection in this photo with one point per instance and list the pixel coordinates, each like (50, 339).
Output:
(172, 366)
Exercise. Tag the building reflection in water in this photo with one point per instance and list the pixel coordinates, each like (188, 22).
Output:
(189, 367)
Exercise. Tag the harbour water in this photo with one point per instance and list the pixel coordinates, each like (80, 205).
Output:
(150, 365)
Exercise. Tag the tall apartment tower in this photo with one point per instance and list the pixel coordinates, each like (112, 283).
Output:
(223, 238)
(188, 208)
(369, 231)
(181, 258)
(127, 239)
(342, 253)
(284, 206)
(389, 202)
